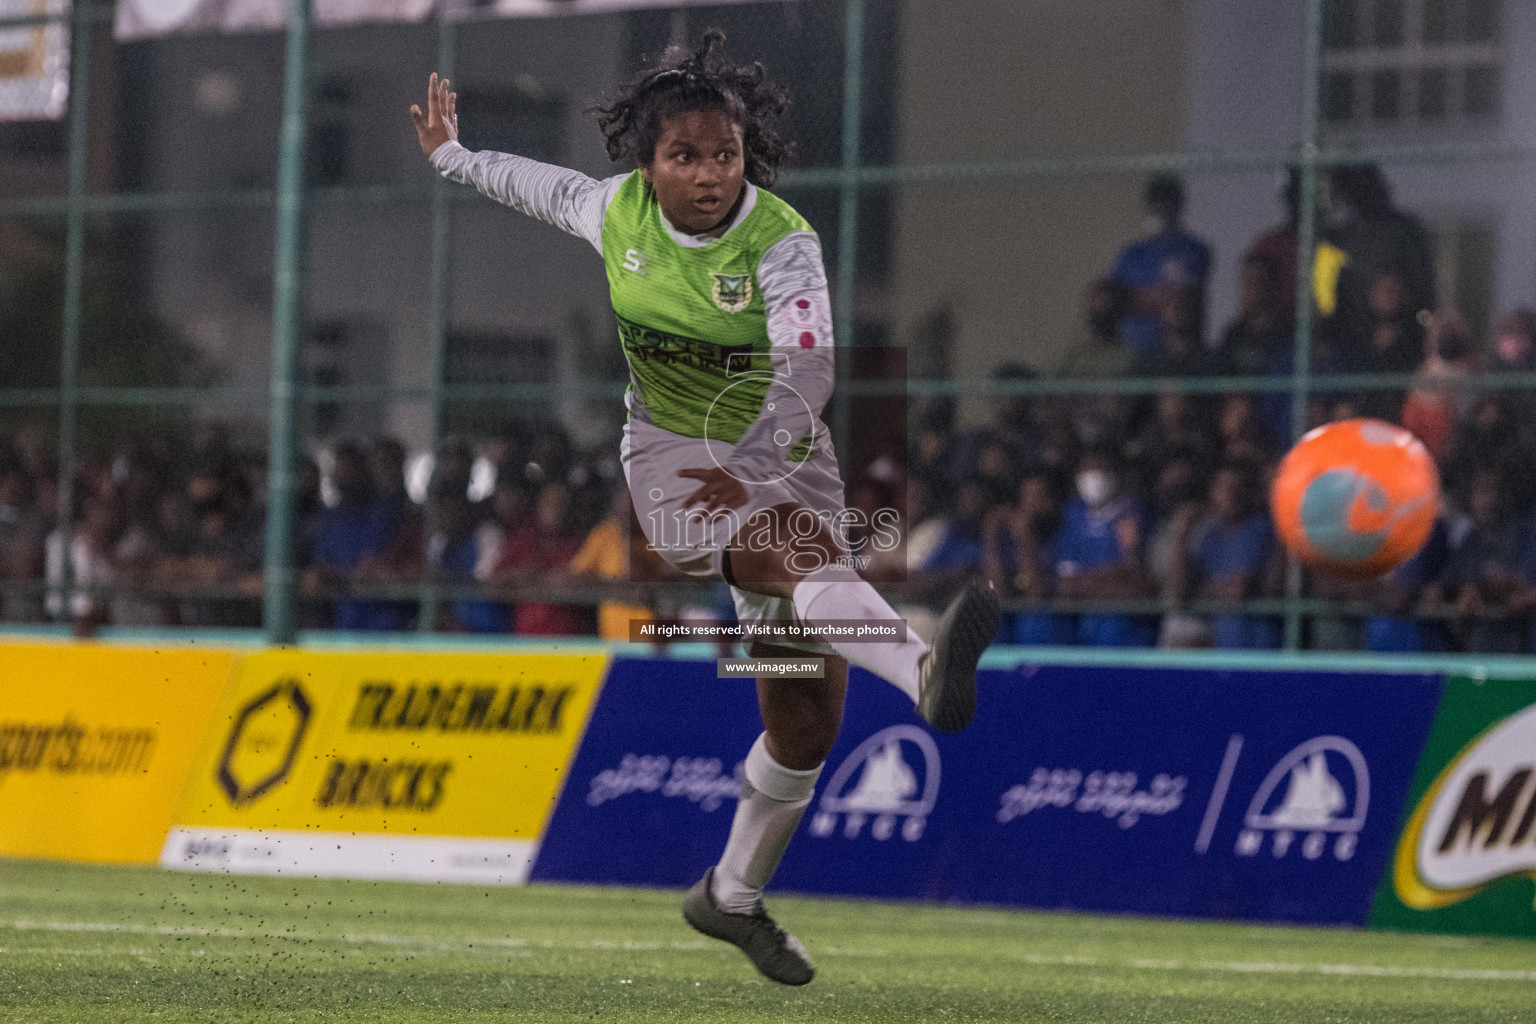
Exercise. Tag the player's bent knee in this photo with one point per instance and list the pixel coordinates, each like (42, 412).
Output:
(773, 556)
(803, 716)
(803, 746)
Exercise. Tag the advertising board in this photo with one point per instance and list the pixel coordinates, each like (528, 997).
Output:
(1466, 856)
(1260, 795)
(96, 744)
(385, 765)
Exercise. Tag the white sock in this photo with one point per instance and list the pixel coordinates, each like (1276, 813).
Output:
(833, 592)
(772, 800)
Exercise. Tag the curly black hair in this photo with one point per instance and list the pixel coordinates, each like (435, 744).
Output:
(702, 79)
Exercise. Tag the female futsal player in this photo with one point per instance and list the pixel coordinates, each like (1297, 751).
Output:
(724, 318)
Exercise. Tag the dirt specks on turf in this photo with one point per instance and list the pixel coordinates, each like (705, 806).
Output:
(84, 945)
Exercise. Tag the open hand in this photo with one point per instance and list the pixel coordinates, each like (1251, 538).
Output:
(440, 123)
(717, 489)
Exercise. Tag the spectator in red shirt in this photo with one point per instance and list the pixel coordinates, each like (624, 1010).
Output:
(541, 548)
(1440, 395)
(1277, 246)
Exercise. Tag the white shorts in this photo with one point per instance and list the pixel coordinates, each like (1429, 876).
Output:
(688, 542)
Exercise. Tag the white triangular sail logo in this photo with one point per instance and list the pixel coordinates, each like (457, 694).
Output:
(879, 784)
(1315, 806)
(886, 782)
(1313, 799)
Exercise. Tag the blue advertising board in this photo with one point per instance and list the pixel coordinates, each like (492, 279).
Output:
(1239, 794)
(654, 783)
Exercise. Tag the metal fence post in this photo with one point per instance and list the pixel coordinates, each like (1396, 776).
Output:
(74, 290)
(1306, 234)
(440, 302)
(848, 210)
(287, 288)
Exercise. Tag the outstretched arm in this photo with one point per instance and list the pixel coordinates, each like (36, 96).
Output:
(568, 199)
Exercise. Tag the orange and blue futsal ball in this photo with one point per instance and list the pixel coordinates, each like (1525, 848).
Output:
(1356, 498)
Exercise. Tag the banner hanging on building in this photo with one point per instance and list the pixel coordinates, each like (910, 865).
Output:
(96, 744)
(34, 62)
(556, 8)
(138, 19)
(1261, 795)
(1466, 858)
(430, 767)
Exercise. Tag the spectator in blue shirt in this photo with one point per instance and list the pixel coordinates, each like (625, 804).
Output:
(1177, 495)
(1019, 554)
(948, 549)
(386, 465)
(1167, 258)
(461, 552)
(1100, 554)
(1483, 573)
(1394, 629)
(1232, 558)
(351, 543)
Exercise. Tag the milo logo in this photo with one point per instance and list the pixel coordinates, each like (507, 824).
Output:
(1477, 821)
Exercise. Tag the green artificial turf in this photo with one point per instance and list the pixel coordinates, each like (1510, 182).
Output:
(89, 944)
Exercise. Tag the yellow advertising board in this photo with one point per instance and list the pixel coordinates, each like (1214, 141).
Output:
(96, 743)
(385, 765)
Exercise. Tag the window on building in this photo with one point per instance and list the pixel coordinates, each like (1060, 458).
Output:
(1465, 251)
(342, 352)
(522, 118)
(496, 357)
(1409, 63)
(492, 357)
(330, 140)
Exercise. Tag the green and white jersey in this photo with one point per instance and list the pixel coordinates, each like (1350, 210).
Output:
(728, 338)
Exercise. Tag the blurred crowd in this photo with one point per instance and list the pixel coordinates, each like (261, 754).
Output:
(169, 535)
(1105, 519)
(1115, 520)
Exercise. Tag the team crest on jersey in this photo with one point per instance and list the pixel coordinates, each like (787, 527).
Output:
(732, 292)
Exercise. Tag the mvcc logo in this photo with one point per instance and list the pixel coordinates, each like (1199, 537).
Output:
(1327, 794)
(263, 742)
(888, 788)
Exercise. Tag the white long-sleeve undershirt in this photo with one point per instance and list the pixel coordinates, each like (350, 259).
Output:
(568, 199)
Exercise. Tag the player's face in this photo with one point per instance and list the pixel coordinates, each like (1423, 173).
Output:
(698, 169)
